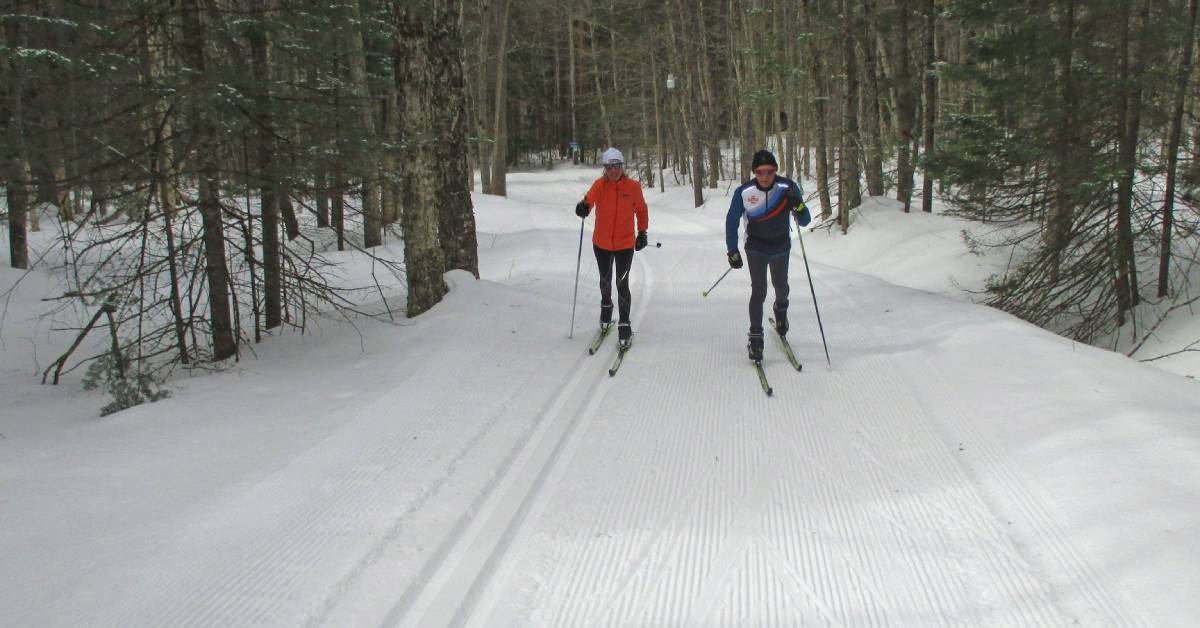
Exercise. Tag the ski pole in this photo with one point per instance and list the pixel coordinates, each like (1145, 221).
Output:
(808, 272)
(578, 259)
(710, 289)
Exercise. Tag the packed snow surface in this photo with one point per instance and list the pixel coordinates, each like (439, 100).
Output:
(950, 466)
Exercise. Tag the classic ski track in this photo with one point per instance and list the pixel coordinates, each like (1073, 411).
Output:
(945, 537)
(252, 595)
(449, 591)
(1114, 607)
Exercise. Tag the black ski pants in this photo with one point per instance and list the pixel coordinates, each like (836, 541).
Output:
(605, 260)
(758, 265)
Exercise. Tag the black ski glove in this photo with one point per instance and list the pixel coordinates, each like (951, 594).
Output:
(642, 241)
(735, 260)
(582, 210)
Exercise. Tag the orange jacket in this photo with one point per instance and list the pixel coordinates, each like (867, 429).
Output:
(617, 203)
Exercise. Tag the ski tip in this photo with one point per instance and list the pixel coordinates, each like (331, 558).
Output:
(591, 351)
(770, 391)
(612, 372)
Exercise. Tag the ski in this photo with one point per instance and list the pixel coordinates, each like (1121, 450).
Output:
(601, 334)
(762, 378)
(621, 349)
(787, 348)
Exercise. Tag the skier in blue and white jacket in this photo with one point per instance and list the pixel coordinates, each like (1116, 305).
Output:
(765, 204)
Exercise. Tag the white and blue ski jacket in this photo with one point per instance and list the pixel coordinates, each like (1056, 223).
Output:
(766, 216)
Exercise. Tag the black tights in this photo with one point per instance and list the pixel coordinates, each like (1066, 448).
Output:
(624, 260)
(758, 265)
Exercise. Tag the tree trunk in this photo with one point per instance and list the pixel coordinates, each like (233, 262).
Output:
(207, 151)
(604, 121)
(905, 108)
(688, 105)
(874, 143)
(658, 153)
(267, 175)
(15, 161)
(1061, 215)
(368, 159)
(820, 103)
(1129, 120)
(322, 194)
(573, 82)
(500, 107)
(155, 69)
(456, 216)
(930, 99)
(1185, 72)
(849, 192)
(482, 114)
(389, 192)
(423, 258)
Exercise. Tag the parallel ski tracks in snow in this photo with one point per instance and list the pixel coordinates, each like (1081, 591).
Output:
(447, 592)
(829, 511)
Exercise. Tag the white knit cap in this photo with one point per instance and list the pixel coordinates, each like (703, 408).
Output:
(612, 156)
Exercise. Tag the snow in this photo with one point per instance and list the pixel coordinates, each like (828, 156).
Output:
(473, 465)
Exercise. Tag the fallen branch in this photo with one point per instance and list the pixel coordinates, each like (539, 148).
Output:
(108, 308)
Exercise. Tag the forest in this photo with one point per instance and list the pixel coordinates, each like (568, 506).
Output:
(200, 159)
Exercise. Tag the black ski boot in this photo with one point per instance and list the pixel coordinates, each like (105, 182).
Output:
(624, 334)
(755, 346)
(781, 321)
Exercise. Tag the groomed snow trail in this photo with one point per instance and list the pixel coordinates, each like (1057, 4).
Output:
(475, 467)
(677, 494)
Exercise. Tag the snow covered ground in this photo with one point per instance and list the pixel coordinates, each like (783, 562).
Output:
(953, 466)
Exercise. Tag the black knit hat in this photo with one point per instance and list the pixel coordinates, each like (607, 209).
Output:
(763, 157)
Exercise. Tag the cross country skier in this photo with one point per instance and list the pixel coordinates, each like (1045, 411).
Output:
(618, 201)
(765, 203)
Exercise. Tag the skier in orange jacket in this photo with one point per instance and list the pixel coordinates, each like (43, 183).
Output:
(618, 201)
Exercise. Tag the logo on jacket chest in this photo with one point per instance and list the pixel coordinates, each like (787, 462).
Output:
(752, 199)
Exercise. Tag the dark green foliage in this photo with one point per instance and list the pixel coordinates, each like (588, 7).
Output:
(1034, 145)
(111, 374)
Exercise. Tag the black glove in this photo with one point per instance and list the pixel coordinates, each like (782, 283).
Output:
(803, 217)
(735, 260)
(642, 241)
(582, 210)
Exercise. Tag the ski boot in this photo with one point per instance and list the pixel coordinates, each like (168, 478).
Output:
(624, 334)
(781, 320)
(755, 346)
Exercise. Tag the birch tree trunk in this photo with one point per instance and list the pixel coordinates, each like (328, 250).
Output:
(456, 216)
(416, 81)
